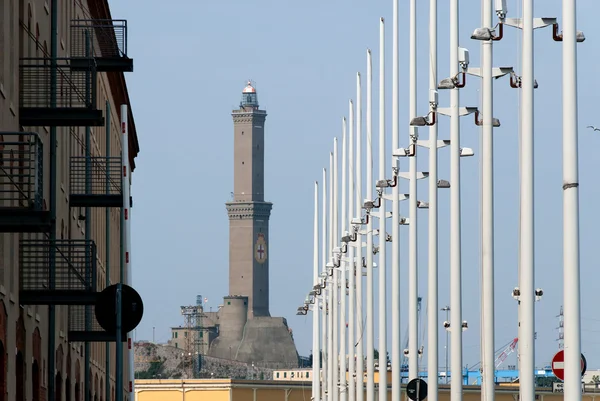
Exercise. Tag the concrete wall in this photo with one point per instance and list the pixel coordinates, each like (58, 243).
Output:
(268, 342)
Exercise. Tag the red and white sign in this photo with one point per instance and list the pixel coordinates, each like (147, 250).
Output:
(558, 365)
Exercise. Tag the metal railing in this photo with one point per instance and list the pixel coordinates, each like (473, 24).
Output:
(74, 265)
(78, 317)
(75, 88)
(99, 38)
(95, 175)
(21, 170)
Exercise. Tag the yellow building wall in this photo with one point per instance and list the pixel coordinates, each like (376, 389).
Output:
(280, 393)
(173, 394)
(248, 390)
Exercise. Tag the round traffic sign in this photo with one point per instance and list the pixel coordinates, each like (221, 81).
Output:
(558, 365)
(132, 308)
(416, 389)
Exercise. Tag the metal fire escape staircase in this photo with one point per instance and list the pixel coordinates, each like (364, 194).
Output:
(62, 92)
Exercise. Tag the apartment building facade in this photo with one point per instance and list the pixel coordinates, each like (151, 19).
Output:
(62, 84)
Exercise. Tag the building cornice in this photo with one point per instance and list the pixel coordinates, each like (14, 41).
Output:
(248, 210)
(243, 116)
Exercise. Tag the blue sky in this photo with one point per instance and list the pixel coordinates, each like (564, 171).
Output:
(191, 62)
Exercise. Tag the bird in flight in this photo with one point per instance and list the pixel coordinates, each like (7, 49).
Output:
(594, 128)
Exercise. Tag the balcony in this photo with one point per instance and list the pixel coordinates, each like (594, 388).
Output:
(73, 104)
(22, 207)
(83, 326)
(103, 40)
(73, 281)
(96, 182)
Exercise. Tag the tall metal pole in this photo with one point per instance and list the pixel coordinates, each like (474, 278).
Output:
(127, 205)
(359, 263)
(331, 386)
(124, 272)
(325, 301)
(369, 256)
(571, 266)
(343, 264)
(455, 231)
(396, 348)
(413, 323)
(316, 361)
(352, 264)
(447, 310)
(432, 274)
(527, 276)
(487, 217)
(335, 303)
(382, 225)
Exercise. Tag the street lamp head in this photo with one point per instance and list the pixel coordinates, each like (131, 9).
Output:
(471, 109)
(356, 221)
(418, 122)
(482, 34)
(495, 122)
(447, 83)
(400, 152)
(381, 184)
(443, 184)
(368, 204)
(580, 36)
(466, 152)
(423, 121)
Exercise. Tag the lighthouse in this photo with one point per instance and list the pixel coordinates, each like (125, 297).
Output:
(243, 328)
(248, 212)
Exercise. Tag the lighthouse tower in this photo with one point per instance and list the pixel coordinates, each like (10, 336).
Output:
(248, 212)
(246, 330)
